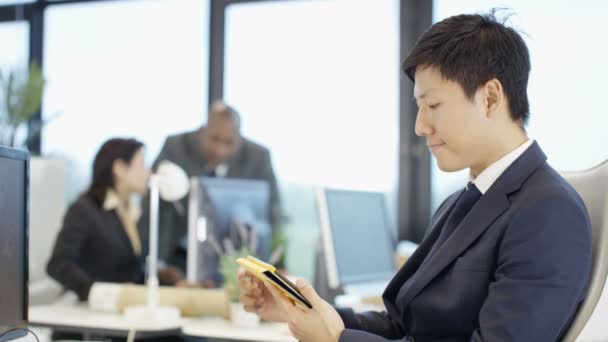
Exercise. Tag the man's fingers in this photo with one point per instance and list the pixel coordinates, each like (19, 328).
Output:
(244, 280)
(278, 297)
(309, 292)
(248, 300)
(273, 292)
(250, 285)
(244, 284)
(250, 308)
(293, 329)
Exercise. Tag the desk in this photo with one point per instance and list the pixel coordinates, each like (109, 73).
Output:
(215, 327)
(78, 318)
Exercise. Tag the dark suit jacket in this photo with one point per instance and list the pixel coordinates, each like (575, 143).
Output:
(93, 246)
(515, 269)
(252, 161)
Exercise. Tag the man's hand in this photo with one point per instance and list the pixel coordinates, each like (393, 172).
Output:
(256, 298)
(322, 323)
(170, 275)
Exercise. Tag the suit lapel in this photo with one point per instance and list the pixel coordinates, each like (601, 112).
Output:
(196, 160)
(491, 205)
(475, 223)
(237, 165)
(416, 259)
(118, 228)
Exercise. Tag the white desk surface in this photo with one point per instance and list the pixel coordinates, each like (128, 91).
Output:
(216, 327)
(81, 318)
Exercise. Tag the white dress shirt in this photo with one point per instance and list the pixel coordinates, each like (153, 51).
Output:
(488, 176)
(128, 213)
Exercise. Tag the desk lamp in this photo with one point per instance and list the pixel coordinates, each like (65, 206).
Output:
(197, 230)
(171, 183)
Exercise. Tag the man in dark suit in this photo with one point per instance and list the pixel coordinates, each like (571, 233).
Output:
(216, 150)
(508, 257)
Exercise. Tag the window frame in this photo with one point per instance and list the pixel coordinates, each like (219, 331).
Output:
(414, 166)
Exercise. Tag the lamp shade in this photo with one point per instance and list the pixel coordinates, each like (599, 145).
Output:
(173, 182)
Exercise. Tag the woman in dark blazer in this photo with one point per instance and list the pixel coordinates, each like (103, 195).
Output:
(99, 240)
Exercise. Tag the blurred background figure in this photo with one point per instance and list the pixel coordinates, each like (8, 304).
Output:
(216, 149)
(100, 240)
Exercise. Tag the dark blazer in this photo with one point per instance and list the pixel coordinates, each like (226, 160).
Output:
(515, 269)
(252, 161)
(93, 246)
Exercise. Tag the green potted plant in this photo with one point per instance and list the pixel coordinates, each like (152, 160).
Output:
(21, 91)
(20, 98)
(229, 268)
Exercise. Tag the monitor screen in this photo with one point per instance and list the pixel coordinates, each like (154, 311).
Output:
(357, 237)
(226, 201)
(13, 237)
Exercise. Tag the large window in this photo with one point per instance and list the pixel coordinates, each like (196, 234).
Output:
(14, 2)
(14, 38)
(568, 55)
(317, 82)
(128, 68)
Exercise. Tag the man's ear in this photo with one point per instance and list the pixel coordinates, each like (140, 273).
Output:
(494, 96)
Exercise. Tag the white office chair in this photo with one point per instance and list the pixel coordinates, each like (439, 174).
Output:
(592, 186)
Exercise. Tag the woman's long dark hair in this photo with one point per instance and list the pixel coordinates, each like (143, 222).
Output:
(103, 177)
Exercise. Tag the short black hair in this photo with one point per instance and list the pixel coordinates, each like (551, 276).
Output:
(472, 49)
(103, 175)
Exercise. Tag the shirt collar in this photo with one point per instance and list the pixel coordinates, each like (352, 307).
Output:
(488, 176)
(112, 202)
(221, 170)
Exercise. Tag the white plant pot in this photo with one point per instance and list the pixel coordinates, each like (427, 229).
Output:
(242, 318)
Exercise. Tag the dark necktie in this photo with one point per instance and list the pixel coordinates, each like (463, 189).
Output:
(463, 205)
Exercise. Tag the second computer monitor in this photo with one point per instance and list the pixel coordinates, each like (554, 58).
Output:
(358, 242)
(227, 201)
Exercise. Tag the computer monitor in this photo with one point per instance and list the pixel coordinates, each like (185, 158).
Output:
(357, 238)
(14, 177)
(224, 202)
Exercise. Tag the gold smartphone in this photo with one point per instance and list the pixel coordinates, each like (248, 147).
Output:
(269, 274)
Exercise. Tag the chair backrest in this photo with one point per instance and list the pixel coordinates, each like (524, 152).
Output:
(592, 186)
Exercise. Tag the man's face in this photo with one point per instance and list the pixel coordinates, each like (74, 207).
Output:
(454, 126)
(220, 141)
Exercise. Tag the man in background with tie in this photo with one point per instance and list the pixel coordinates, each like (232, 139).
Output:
(216, 149)
(508, 257)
